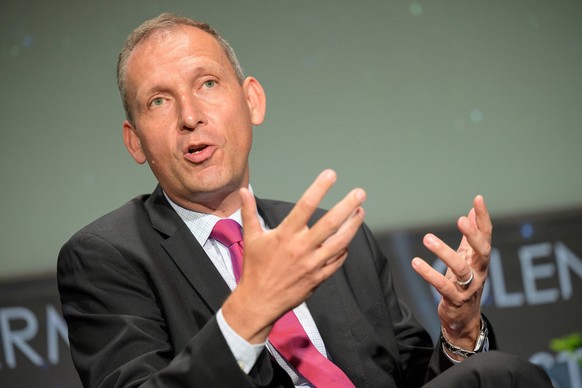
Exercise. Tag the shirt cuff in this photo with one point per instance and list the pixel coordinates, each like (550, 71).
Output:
(246, 354)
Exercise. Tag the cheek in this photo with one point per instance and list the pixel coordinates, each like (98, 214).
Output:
(239, 142)
(156, 148)
(243, 137)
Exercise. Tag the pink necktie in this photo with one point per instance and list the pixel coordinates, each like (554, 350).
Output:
(287, 335)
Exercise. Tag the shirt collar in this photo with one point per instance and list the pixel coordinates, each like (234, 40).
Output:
(201, 224)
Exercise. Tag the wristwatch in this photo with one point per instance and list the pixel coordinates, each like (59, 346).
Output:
(464, 353)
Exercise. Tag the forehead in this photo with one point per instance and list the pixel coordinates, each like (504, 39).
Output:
(180, 44)
(184, 36)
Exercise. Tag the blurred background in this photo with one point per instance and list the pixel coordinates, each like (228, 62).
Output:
(424, 104)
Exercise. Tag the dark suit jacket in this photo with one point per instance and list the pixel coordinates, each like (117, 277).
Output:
(140, 295)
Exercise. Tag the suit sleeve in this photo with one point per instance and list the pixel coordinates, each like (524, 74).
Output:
(118, 333)
(414, 344)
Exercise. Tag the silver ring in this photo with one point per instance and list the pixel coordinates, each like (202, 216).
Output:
(465, 284)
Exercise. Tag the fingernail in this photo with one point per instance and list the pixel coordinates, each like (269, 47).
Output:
(360, 195)
(430, 239)
(329, 174)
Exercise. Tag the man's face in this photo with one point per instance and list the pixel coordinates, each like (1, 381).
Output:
(193, 119)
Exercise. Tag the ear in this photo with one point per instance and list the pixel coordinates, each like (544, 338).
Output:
(133, 143)
(256, 99)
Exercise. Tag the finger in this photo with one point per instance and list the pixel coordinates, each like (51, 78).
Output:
(339, 241)
(479, 241)
(332, 265)
(251, 223)
(434, 278)
(309, 201)
(483, 218)
(341, 213)
(477, 221)
(456, 263)
(342, 254)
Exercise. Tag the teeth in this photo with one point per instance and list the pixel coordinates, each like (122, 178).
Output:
(196, 150)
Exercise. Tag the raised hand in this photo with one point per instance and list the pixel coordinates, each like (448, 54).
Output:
(283, 266)
(462, 285)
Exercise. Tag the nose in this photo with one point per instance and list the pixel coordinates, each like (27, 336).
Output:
(191, 113)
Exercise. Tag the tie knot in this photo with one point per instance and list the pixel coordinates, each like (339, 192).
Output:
(227, 232)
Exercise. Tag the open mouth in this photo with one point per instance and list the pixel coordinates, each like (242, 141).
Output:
(199, 153)
(194, 150)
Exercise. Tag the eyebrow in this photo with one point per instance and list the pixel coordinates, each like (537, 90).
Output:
(195, 72)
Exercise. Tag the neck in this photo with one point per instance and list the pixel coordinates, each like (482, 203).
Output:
(221, 206)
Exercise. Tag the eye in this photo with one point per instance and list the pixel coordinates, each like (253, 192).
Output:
(157, 101)
(209, 84)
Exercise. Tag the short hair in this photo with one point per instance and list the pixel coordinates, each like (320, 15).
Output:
(165, 22)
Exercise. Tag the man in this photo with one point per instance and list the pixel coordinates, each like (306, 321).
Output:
(146, 290)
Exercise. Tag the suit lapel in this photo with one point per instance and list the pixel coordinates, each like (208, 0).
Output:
(186, 252)
(327, 305)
